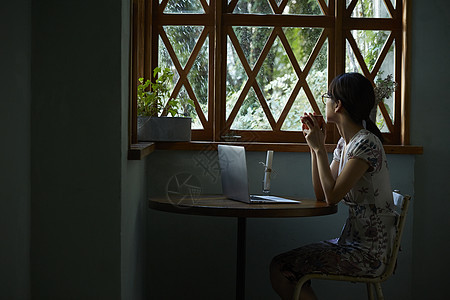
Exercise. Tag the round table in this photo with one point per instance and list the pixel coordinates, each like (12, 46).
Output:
(219, 205)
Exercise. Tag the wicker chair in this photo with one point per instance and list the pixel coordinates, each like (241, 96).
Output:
(402, 203)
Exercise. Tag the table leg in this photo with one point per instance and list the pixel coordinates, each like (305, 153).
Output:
(241, 253)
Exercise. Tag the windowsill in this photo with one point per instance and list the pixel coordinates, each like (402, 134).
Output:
(142, 149)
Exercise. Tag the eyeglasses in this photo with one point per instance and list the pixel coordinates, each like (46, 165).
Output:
(325, 97)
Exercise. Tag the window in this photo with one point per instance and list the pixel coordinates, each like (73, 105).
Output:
(252, 67)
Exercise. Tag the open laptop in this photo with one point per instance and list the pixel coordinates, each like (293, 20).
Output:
(233, 169)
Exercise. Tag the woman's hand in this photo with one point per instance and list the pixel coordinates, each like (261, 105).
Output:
(314, 134)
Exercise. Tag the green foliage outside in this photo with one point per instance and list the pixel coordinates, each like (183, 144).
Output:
(276, 78)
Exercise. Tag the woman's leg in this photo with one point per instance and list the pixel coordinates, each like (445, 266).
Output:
(286, 268)
(284, 287)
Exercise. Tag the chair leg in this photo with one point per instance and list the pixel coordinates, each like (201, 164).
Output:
(370, 290)
(379, 291)
(298, 287)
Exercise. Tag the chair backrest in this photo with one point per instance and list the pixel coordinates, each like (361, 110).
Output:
(402, 203)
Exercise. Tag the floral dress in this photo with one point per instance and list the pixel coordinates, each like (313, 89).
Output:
(368, 234)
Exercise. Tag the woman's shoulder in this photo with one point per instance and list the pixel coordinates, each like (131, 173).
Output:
(368, 147)
(338, 150)
(365, 143)
(366, 137)
(340, 144)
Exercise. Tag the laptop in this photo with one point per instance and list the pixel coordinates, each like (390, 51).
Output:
(233, 169)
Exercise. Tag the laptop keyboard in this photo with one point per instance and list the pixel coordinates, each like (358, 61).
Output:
(261, 198)
(271, 199)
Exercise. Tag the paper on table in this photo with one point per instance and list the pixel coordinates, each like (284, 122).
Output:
(268, 170)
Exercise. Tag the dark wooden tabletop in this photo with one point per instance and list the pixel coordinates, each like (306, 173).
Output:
(218, 205)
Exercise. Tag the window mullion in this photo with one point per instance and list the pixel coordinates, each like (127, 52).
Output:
(339, 52)
(220, 55)
(339, 38)
(151, 55)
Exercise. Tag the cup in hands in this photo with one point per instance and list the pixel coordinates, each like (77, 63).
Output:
(306, 116)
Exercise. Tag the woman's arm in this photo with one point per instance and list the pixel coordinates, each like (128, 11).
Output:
(336, 187)
(334, 169)
(317, 185)
(320, 196)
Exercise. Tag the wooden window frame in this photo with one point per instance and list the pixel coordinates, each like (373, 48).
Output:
(148, 21)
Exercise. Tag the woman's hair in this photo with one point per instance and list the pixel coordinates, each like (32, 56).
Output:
(358, 98)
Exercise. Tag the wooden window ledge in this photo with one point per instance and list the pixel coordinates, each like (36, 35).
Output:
(142, 149)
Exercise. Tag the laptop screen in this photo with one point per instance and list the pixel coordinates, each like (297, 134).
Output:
(233, 169)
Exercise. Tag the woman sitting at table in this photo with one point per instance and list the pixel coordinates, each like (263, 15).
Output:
(358, 175)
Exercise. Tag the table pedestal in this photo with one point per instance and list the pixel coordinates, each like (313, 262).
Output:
(218, 205)
(241, 254)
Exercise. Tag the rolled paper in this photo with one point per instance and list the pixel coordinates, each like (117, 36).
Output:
(268, 170)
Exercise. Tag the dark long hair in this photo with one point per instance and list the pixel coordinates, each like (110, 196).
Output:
(358, 98)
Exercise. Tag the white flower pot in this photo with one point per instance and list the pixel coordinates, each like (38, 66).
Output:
(164, 129)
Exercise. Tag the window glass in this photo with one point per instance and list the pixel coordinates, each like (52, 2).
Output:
(302, 7)
(370, 43)
(317, 77)
(302, 41)
(370, 9)
(369, 46)
(276, 78)
(236, 78)
(251, 115)
(351, 62)
(198, 78)
(184, 6)
(300, 105)
(387, 68)
(253, 7)
(182, 41)
(252, 40)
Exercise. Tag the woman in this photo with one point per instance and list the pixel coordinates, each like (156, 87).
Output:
(359, 176)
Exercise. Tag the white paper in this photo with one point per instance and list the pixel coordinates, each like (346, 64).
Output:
(268, 170)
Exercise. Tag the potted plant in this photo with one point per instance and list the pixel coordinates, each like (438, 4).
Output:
(383, 90)
(153, 106)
